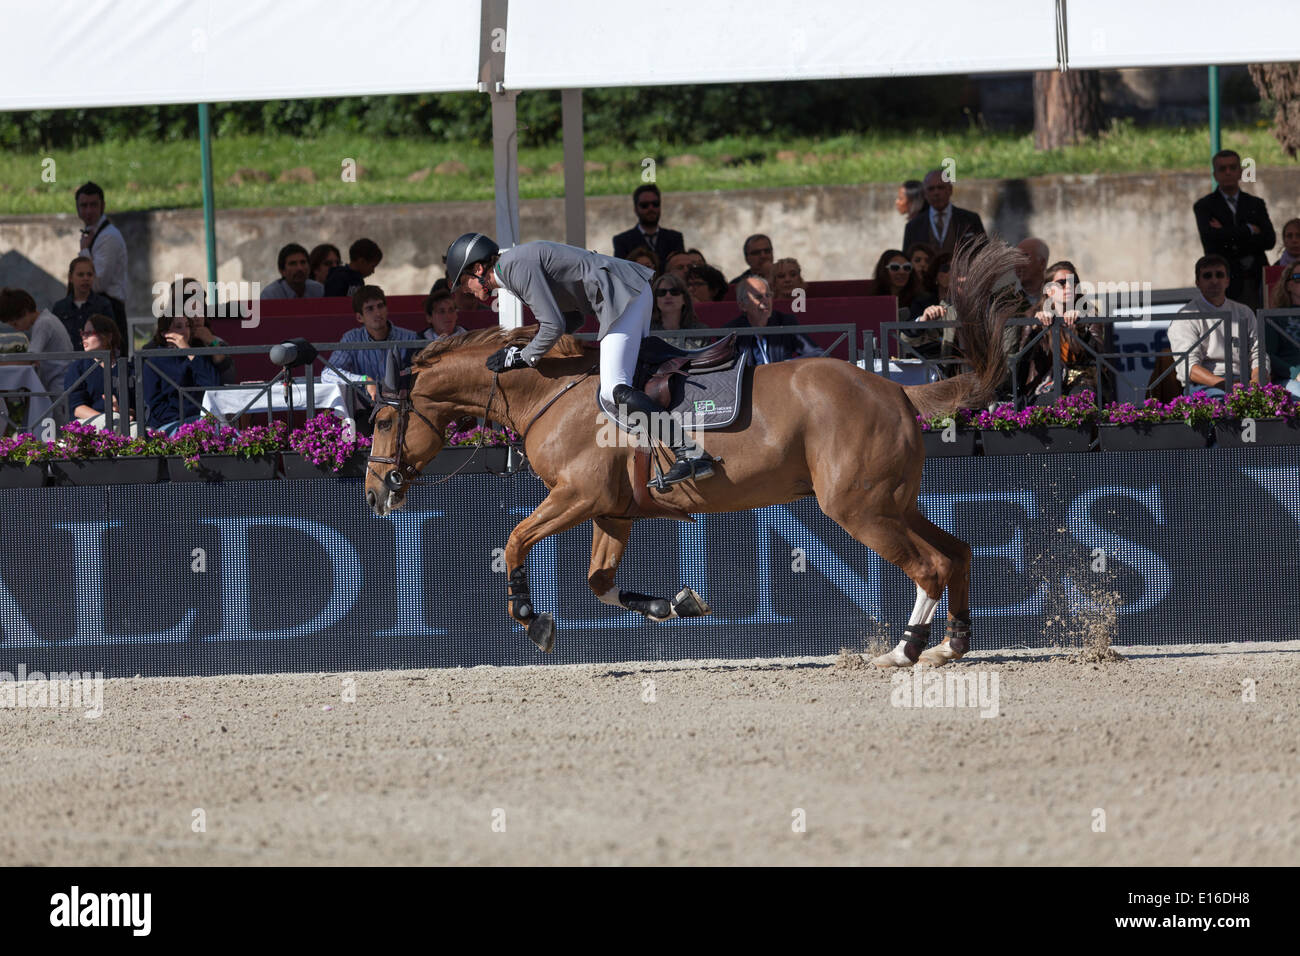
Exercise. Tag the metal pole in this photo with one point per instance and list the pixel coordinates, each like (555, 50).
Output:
(575, 198)
(209, 204)
(1216, 143)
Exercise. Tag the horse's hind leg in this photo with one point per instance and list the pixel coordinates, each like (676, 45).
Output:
(608, 542)
(956, 641)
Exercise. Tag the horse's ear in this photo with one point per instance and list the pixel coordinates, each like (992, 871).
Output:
(391, 383)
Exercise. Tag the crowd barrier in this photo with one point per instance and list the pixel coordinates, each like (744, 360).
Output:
(1157, 547)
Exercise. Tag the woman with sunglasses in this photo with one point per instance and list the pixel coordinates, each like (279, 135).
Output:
(673, 311)
(1061, 302)
(1282, 335)
(896, 276)
(86, 398)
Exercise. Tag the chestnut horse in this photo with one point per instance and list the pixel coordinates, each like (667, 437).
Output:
(815, 426)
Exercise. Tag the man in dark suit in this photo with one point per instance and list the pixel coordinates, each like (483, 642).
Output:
(1235, 225)
(941, 224)
(646, 200)
(755, 298)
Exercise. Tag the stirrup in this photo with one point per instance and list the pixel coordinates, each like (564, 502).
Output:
(683, 469)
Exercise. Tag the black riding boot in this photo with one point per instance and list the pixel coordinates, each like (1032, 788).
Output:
(684, 467)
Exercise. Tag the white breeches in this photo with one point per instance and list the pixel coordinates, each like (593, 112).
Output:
(622, 343)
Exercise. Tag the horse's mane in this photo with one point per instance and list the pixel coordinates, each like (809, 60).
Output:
(493, 338)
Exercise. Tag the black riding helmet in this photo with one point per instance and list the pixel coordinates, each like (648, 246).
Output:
(464, 252)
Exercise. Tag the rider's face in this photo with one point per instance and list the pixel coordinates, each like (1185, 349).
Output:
(476, 284)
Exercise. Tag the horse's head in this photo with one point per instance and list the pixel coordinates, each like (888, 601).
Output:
(407, 436)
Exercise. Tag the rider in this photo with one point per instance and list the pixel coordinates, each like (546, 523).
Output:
(552, 279)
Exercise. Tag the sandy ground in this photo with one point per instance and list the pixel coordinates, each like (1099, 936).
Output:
(577, 765)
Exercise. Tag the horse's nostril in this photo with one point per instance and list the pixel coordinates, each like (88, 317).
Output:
(370, 499)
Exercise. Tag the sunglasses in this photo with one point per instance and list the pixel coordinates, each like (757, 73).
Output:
(1214, 275)
(760, 252)
(86, 335)
(660, 293)
(900, 267)
(652, 204)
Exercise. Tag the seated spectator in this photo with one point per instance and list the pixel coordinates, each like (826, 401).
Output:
(758, 255)
(370, 306)
(81, 302)
(911, 198)
(188, 299)
(321, 260)
(706, 284)
(1290, 244)
(697, 257)
(755, 298)
(920, 254)
(293, 283)
(1025, 362)
(364, 257)
(45, 333)
(1203, 368)
(678, 264)
(896, 276)
(171, 381)
(936, 345)
(645, 256)
(440, 314)
(86, 397)
(1282, 334)
(786, 277)
(673, 310)
(1061, 301)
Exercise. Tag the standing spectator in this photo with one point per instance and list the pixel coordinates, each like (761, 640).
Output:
(1290, 244)
(787, 275)
(440, 314)
(81, 302)
(1203, 367)
(1235, 225)
(102, 241)
(758, 254)
(911, 198)
(321, 260)
(370, 306)
(673, 310)
(172, 405)
(706, 284)
(678, 264)
(364, 257)
(1282, 334)
(644, 255)
(646, 203)
(896, 276)
(755, 298)
(86, 397)
(45, 334)
(293, 283)
(920, 254)
(941, 224)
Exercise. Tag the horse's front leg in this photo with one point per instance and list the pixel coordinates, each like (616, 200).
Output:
(608, 542)
(558, 512)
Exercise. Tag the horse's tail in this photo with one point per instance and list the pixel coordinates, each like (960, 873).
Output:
(982, 288)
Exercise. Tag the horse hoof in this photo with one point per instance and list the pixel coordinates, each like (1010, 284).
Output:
(541, 631)
(689, 604)
(940, 655)
(895, 658)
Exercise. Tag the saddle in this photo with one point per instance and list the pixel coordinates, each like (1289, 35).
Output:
(703, 386)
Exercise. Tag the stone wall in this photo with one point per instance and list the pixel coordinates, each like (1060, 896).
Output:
(1115, 228)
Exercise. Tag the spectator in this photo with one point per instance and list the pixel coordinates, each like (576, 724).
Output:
(706, 284)
(1290, 244)
(189, 300)
(86, 397)
(645, 256)
(102, 241)
(1032, 271)
(81, 302)
(697, 257)
(363, 258)
(1061, 300)
(758, 254)
(1282, 334)
(45, 333)
(941, 224)
(896, 276)
(171, 381)
(755, 298)
(911, 198)
(646, 203)
(678, 264)
(933, 304)
(787, 275)
(370, 306)
(321, 260)
(1235, 225)
(920, 254)
(1203, 368)
(673, 310)
(293, 283)
(440, 314)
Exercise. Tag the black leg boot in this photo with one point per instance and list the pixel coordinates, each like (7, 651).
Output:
(684, 468)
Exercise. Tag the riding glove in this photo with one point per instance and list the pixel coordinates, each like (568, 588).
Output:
(506, 359)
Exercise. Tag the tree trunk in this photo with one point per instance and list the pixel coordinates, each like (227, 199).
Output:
(1280, 83)
(1067, 108)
